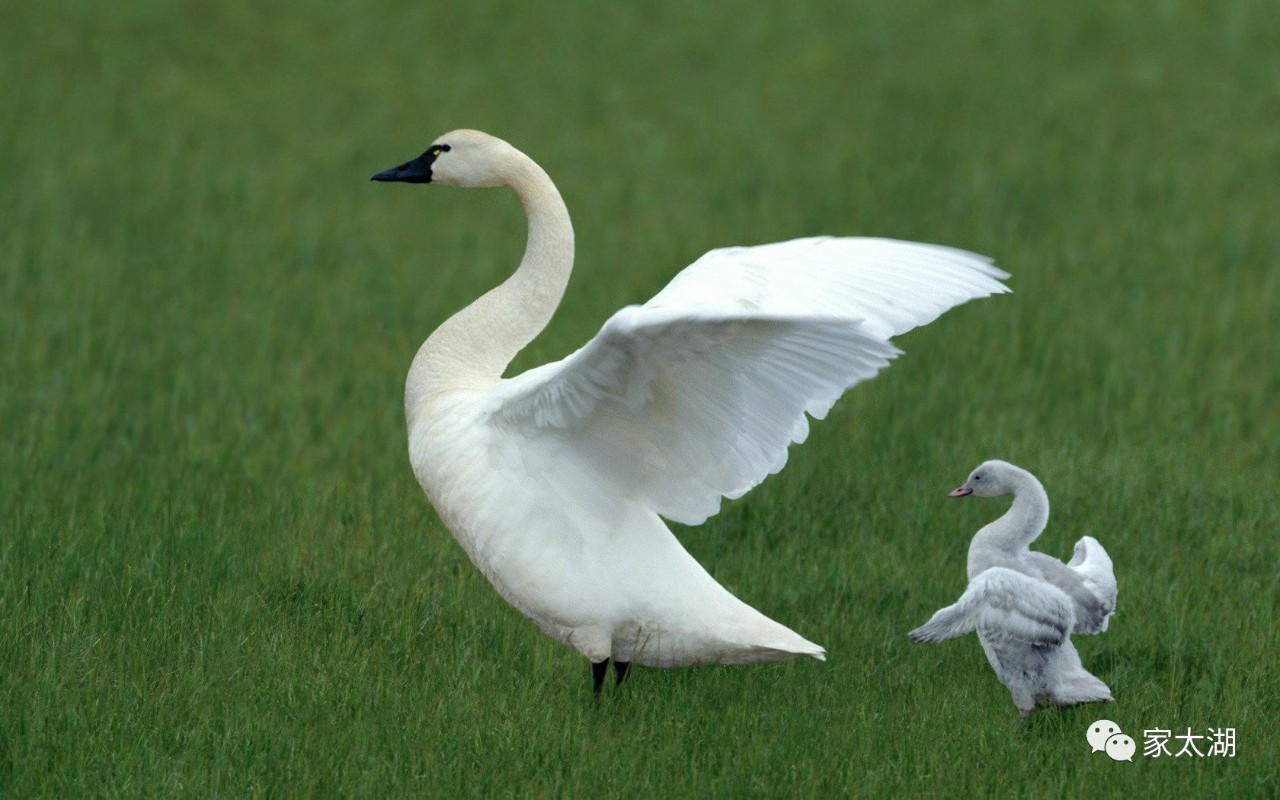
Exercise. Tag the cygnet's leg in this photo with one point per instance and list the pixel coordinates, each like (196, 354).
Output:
(598, 670)
(1024, 700)
(1023, 697)
(620, 670)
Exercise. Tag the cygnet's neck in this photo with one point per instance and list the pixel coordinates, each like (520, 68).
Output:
(1012, 533)
(474, 346)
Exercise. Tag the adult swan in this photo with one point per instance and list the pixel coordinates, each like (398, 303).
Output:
(555, 482)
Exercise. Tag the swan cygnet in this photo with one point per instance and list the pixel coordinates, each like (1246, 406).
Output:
(556, 481)
(1025, 605)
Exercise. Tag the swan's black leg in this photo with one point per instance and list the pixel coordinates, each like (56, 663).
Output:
(598, 670)
(620, 670)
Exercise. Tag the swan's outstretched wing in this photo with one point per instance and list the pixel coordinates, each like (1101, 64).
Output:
(891, 286)
(1006, 606)
(696, 395)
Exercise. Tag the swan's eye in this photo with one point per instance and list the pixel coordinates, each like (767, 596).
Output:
(977, 477)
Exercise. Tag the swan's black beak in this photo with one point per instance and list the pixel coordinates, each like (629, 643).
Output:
(415, 171)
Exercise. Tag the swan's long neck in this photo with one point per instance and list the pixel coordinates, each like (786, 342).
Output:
(1017, 529)
(474, 346)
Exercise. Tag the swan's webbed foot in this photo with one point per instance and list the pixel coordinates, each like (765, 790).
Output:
(621, 669)
(598, 670)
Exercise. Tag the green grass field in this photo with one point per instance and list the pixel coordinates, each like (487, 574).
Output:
(218, 576)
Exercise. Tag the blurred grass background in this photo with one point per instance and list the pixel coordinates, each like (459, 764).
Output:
(218, 577)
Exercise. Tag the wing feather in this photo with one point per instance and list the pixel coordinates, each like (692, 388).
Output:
(697, 394)
(1004, 605)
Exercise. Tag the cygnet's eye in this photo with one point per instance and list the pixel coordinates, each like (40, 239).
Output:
(977, 477)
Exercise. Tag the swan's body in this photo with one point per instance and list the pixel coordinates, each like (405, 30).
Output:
(1025, 605)
(555, 481)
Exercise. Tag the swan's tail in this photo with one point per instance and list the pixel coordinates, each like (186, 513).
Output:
(757, 639)
(1071, 683)
(746, 638)
(1080, 687)
(759, 654)
(740, 634)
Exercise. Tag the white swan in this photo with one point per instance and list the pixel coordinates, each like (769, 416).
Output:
(555, 481)
(1025, 605)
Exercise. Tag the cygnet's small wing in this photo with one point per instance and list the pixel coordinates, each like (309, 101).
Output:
(697, 394)
(1006, 606)
(1093, 564)
(1090, 609)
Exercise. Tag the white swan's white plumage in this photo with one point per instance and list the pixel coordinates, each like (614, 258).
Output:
(1025, 605)
(728, 358)
(555, 481)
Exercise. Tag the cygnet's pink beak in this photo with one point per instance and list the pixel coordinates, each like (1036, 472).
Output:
(961, 491)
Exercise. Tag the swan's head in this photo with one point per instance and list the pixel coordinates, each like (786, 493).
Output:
(990, 479)
(461, 158)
